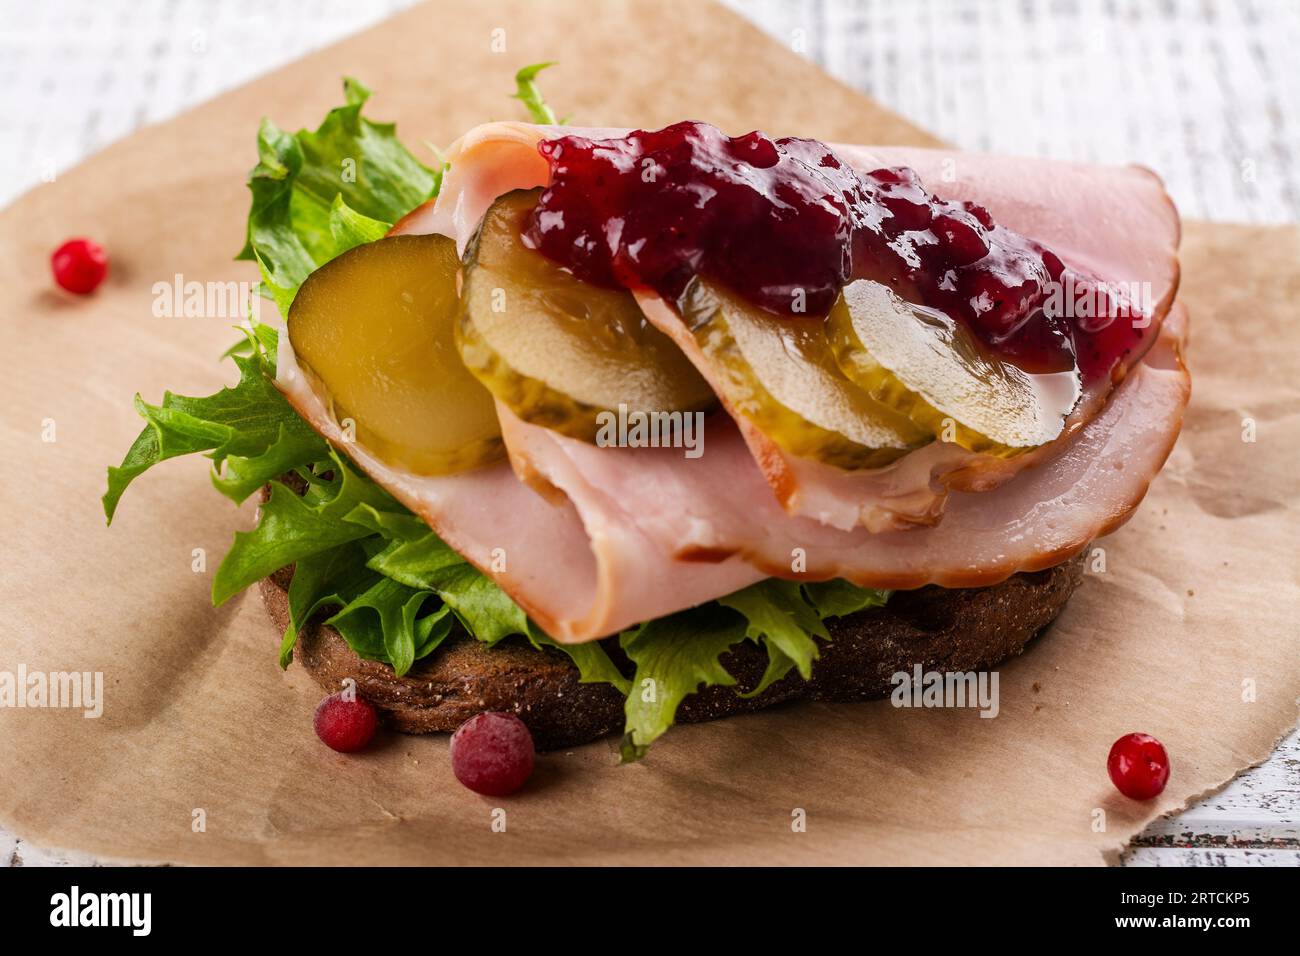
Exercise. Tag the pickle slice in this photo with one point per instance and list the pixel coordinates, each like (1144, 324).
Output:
(928, 367)
(559, 351)
(375, 330)
(778, 372)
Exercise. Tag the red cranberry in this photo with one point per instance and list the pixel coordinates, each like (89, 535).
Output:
(894, 175)
(755, 149)
(79, 265)
(909, 208)
(492, 754)
(345, 725)
(1042, 344)
(996, 307)
(1055, 268)
(962, 241)
(1138, 766)
(980, 213)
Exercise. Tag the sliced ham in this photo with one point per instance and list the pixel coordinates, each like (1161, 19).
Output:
(576, 577)
(1114, 223)
(484, 164)
(717, 506)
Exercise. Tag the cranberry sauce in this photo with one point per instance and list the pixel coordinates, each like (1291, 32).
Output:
(786, 224)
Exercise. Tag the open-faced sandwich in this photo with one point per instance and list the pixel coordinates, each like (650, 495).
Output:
(608, 428)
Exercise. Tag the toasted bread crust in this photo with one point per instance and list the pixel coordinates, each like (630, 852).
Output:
(939, 628)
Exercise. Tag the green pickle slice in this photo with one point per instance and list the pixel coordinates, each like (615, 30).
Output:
(778, 372)
(556, 350)
(374, 329)
(926, 366)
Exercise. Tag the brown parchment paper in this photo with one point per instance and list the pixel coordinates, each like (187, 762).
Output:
(1199, 594)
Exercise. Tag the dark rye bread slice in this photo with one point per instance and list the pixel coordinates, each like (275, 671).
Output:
(939, 628)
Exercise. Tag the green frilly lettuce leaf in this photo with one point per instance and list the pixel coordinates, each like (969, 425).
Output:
(318, 194)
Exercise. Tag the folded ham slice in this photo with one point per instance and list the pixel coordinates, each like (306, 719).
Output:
(717, 506)
(577, 577)
(1113, 223)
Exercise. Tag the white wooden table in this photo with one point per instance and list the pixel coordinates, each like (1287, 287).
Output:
(1204, 92)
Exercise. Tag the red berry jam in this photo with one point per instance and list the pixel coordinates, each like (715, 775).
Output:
(492, 754)
(1138, 766)
(786, 224)
(345, 725)
(79, 265)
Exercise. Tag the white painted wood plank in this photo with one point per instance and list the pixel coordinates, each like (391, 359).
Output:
(1155, 856)
(16, 852)
(1260, 808)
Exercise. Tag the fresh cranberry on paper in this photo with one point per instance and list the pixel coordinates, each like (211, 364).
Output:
(492, 754)
(79, 265)
(344, 724)
(1138, 766)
